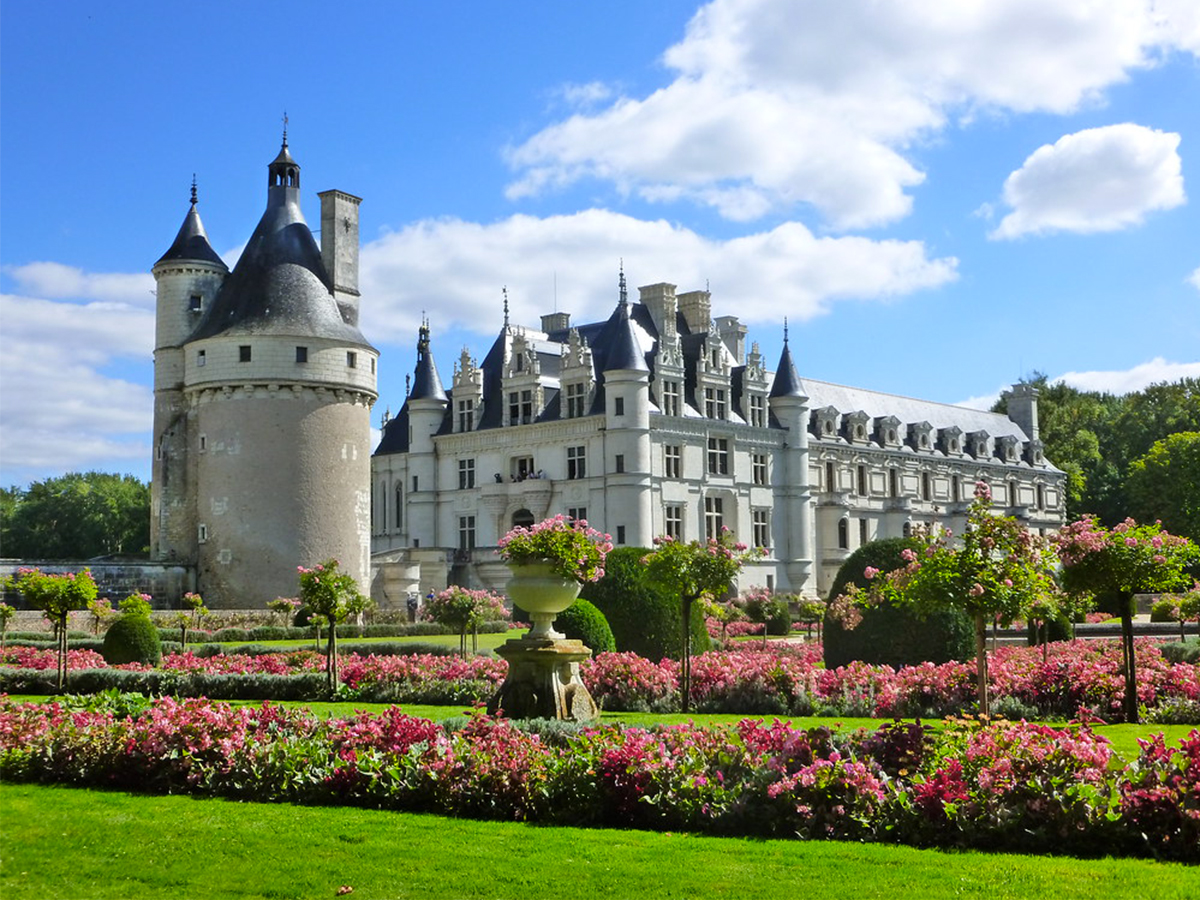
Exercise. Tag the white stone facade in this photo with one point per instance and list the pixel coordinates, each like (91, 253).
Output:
(697, 436)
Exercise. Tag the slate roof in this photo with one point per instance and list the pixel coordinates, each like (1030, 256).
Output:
(192, 242)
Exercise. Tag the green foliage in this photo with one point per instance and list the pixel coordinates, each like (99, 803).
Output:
(767, 609)
(1095, 437)
(132, 639)
(889, 634)
(330, 595)
(56, 596)
(584, 622)
(463, 610)
(1165, 609)
(76, 516)
(1164, 484)
(136, 605)
(643, 616)
(1182, 651)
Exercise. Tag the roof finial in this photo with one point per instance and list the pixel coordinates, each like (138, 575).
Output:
(193, 189)
(624, 292)
(285, 124)
(785, 331)
(407, 385)
(506, 306)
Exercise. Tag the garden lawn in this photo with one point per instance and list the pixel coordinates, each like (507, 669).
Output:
(92, 845)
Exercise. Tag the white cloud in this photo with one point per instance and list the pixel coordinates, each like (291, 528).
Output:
(63, 406)
(1100, 179)
(1118, 382)
(451, 269)
(1135, 379)
(776, 103)
(56, 281)
(1194, 279)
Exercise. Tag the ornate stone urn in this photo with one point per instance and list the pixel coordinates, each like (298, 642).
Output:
(543, 667)
(540, 591)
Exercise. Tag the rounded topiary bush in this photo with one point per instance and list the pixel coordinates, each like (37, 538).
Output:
(132, 639)
(581, 621)
(643, 617)
(1164, 610)
(890, 635)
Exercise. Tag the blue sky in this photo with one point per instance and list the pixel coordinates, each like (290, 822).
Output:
(941, 197)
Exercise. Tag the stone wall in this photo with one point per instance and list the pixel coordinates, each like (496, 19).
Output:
(166, 583)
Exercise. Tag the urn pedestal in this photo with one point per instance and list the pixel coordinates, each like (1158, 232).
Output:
(543, 667)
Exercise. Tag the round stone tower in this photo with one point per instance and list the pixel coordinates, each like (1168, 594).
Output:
(278, 384)
(187, 278)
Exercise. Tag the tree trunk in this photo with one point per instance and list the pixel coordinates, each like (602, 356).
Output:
(685, 680)
(331, 659)
(1131, 699)
(62, 658)
(981, 665)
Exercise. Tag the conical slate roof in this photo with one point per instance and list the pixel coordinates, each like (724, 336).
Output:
(619, 343)
(279, 285)
(192, 241)
(426, 383)
(787, 381)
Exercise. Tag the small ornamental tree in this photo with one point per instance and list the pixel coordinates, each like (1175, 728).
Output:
(56, 596)
(190, 616)
(284, 607)
(331, 596)
(6, 614)
(102, 612)
(464, 610)
(724, 613)
(695, 570)
(997, 571)
(1120, 562)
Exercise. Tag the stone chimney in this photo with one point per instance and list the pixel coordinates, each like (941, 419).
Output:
(696, 307)
(339, 249)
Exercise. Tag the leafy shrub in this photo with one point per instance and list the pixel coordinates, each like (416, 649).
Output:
(583, 622)
(19, 637)
(1181, 651)
(225, 635)
(270, 633)
(396, 648)
(132, 638)
(888, 635)
(644, 619)
(1164, 610)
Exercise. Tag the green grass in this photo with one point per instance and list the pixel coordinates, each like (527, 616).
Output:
(92, 845)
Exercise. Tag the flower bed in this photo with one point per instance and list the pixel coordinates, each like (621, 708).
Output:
(999, 786)
(1077, 679)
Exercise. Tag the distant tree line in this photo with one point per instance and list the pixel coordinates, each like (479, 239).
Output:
(76, 516)
(1136, 454)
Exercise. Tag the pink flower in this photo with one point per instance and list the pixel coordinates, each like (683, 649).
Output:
(870, 572)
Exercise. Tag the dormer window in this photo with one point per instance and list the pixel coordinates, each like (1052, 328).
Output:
(714, 403)
(670, 398)
(576, 395)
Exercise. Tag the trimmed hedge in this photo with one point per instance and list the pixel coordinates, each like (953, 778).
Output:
(583, 622)
(889, 635)
(132, 639)
(302, 686)
(1182, 651)
(644, 618)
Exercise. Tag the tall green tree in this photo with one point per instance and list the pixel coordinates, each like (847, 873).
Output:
(76, 516)
(1164, 484)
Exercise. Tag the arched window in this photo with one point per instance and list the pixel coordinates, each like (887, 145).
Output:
(522, 518)
(843, 534)
(398, 518)
(908, 529)
(926, 486)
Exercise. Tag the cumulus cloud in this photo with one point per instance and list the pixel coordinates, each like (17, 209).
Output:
(1100, 179)
(65, 405)
(452, 269)
(779, 103)
(56, 281)
(1122, 381)
(1194, 279)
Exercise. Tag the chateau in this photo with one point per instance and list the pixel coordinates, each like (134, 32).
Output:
(660, 421)
(263, 386)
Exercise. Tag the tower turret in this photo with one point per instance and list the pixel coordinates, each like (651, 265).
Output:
(426, 410)
(793, 525)
(627, 428)
(186, 279)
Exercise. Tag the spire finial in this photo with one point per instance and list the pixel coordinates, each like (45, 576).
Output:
(285, 124)
(506, 306)
(407, 385)
(785, 331)
(621, 282)
(193, 189)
